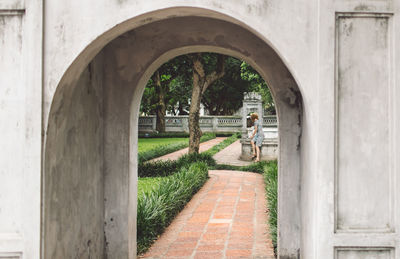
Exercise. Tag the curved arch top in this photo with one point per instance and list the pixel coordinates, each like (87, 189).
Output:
(93, 118)
(107, 35)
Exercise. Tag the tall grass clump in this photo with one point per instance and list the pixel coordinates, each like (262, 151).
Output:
(158, 207)
(271, 188)
(168, 167)
(164, 135)
(254, 167)
(166, 149)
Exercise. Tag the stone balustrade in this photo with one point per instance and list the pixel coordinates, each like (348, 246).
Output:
(207, 123)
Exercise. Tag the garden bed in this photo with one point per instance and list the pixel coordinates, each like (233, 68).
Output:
(163, 149)
(159, 204)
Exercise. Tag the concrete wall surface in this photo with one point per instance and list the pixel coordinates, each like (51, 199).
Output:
(72, 77)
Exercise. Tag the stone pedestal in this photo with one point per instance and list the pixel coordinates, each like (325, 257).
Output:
(268, 151)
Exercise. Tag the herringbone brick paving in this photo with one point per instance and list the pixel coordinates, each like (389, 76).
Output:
(226, 219)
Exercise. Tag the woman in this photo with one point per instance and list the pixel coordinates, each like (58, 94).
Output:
(257, 137)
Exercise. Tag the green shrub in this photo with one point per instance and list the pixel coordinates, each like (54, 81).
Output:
(160, 151)
(146, 184)
(271, 188)
(157, 168)
(225, 134)
(164, 135)
(188, 159)
(166, 149)
(168, 167)
(157, 208)
(254, 167)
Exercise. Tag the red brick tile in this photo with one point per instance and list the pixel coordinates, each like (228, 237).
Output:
(180, 252)
(223, 216)
(190, 234)
(208, 255)
(214, 236)
(238, 252)
(210, 247)
(185, 245)
(240, 245)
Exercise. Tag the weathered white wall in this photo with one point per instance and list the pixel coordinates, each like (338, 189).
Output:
(20, 127)
(74, 182)
(343, 74)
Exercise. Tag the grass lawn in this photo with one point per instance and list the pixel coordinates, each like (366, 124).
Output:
(146, 144)
(145, 184)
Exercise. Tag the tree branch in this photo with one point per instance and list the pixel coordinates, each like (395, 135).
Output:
(217, 74)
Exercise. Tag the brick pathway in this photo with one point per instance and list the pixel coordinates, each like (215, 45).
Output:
(231, 154)
(203, 147)
(226, 219)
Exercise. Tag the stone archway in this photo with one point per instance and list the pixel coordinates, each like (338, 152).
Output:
(90, 159)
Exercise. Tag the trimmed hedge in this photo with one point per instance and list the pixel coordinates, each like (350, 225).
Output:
(168, 167)
(164, 135)
(271, 188)
(255, 167)
(157, 208)
(180, 134)
(166, 149)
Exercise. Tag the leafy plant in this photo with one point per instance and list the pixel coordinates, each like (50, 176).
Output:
(158, 207)
(271, 188)
(164, 135)
(166, 149)
(168, 167)
(255, 167)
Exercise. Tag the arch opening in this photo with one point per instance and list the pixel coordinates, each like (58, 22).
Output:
(90, 172)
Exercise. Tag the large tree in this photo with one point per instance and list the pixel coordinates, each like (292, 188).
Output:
(158, 94)
(225, 96)
(203, 77)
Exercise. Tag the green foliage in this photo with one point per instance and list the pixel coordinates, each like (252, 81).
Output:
(145, 144)
(254, 167)
(146, 184)
(164, 135)
(258, 85)
(158, 168)
(215, 149)
(176, 81)
(204, 157)
(226, 134)
(225, 96)
(168, 167)
(161, 150)
(271, 188)
(158, 207)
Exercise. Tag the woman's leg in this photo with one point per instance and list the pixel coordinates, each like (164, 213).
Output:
(258, 153)
(254, 148)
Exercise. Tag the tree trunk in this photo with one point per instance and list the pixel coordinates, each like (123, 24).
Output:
(161, 106)
(200, 83)
(194, 116)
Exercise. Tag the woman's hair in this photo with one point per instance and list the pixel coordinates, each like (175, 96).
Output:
(254, 116)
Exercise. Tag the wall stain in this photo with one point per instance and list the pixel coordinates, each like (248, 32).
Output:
(362, 7)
